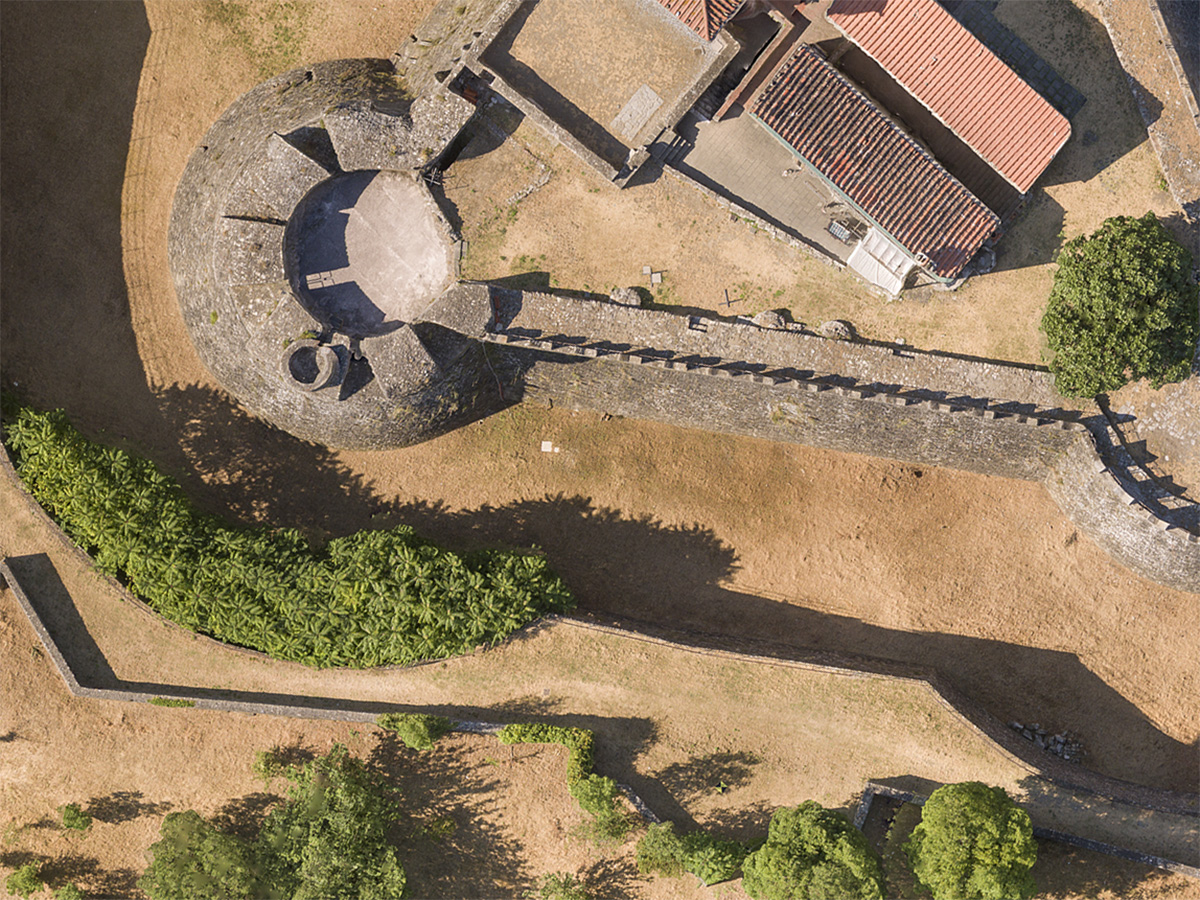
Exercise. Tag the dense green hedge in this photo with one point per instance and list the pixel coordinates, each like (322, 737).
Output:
(371, 598)
(418, 731)
(713, 860)
(579, 741)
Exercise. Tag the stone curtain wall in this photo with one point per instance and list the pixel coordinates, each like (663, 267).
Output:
(886, 420)
(796, 410)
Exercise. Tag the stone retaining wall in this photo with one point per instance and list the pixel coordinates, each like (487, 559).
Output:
(1019, 752)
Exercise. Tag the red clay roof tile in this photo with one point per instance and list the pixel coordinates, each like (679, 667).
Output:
(705, 17)
(886, 173)
(960, 81)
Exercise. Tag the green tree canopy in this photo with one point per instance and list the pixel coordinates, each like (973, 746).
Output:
(973, 843)
(194, 859)
(812, 853)
(328, 841)
(1122, 307)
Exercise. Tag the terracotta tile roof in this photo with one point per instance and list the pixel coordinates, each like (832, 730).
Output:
(960, 81)
(887, 174)
(705, 17)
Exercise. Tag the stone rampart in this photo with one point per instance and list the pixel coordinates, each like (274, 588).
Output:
(789, 385)
(811, 411)
(1116, 519)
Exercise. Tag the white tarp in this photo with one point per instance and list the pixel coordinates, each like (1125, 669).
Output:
(881, 261)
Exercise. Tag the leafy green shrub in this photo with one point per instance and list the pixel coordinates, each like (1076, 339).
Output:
(195, 860)
(597, 796)
(75, 818)
(660, 851)
(69, 891)
(417, 730)
(25, 880)
(337, 812)
(171, 701)
(1122, 307)
(368, 599)
(328, 840)
(579, 741)
(559, 886)
(973, 842)
(268, 765)
(812, 853)
(713, 860)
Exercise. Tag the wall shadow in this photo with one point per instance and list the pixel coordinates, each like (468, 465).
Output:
(1098, 137)
(1183, 23)
(65, 334)
(650, 575)
(526, 82)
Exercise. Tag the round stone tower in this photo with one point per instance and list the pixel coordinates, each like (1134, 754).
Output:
(316, 272)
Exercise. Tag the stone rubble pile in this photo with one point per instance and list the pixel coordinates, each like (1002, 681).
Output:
(1063, 744)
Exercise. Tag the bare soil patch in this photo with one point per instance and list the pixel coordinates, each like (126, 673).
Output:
(982, 578)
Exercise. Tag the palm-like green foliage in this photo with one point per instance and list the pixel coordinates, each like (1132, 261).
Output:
(368, 599)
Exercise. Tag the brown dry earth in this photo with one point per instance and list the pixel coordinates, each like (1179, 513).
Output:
(982, 578)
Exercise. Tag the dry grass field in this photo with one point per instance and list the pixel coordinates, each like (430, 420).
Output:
(981, 578)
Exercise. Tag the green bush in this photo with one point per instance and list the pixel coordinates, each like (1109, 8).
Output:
(579, 741)
(368, 599)
(417, 730)
(711, 859)
(660, 851)
(973, 843)
(1122, 307)
(812, 853)
(327, 841)
(269, 764)
(597, 796)
(171, 701)
(26, 880)
(75, 818)
(69, 891)
(558, 886)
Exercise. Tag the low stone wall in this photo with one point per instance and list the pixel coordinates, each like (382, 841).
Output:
(970, 713)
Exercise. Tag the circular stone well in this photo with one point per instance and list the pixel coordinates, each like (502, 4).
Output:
(368, 251)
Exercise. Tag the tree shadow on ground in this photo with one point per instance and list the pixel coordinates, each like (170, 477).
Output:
(741, 823)
(123, 806)
(450, 843)
(710, 773)
(244, 816)
(74, 867)
(614, 878)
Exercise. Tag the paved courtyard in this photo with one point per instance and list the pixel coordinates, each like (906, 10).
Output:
(370, 252)
(607, 71)
(740, 159)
